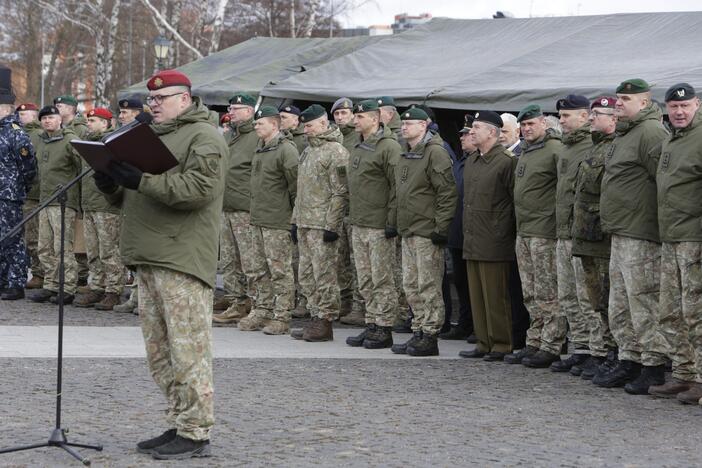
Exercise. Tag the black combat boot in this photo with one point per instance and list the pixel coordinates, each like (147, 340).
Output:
(564, 365)
(516, 358)
(148, 446)
(427, 346)
(650, 376)
(623, 373)
(587, 370)
(381, 338)
(404, 327)
(182, 448)
(610, 362)
(358, 340)
(401, 348)
(540, 359)
(12, 294)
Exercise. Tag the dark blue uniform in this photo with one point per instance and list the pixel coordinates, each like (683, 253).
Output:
(18, 167)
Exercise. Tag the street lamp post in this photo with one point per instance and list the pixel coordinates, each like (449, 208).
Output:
(161, 47)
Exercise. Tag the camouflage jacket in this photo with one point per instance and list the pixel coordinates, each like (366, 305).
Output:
(58, 164)
(588, 237)
(34, 131)
(322, 190)
(577, 144)
(242, 146)
(274, 183)
(18, 166)
(92, 199)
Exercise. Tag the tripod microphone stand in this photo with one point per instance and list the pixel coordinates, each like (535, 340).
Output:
(58, 434)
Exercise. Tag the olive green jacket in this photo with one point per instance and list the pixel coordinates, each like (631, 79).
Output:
(679, 181)
(426, 189)
(629, 206)
(34, 131)
(173, 219)
(489, 226)
(535, 187)
(588, 237)
(92, 199)
(79, 126)
(395, 125)
(371, 179)
(577, 144)
(297, 136)
(242, 147)
(58, 164)
(322, 190)
(274, 183)
(351, 136)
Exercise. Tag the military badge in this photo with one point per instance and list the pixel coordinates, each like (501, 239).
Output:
(24, 151)
(604, 102)
(665, 160)
(356, 162)
(680, 93)
(405, 174)
(341, 171)
(520, 170)
(158, 82)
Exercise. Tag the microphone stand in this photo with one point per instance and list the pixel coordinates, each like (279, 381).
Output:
(58, 434)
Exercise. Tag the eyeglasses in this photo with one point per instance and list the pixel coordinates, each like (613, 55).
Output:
(596, 113)
(158, 98)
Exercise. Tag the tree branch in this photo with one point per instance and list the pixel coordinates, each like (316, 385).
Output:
(170, 28)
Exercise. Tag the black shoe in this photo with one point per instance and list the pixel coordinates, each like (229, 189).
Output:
(402, 348)
(381, 338)
(609, 363)
(516, 358)
(494, 356)
(455, 333)
(67, 299)
(473, 353)
(181, 448)
(41, 295)
(650, 376)
(296, 334)
(427, 346)
(540, 360)
(405, 327)
(472, 339)
(12, 294)
(358, 340)
(564, 365)
(587, 370)
(148, 446)
(623, 373)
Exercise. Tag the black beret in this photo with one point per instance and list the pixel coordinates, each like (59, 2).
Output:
(680, 92)
(290, 110)
(572, 102)
(131, 103)
(493, 118)
(48, 110)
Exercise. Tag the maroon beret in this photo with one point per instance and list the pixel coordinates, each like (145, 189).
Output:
(166, 78)
(27, 106)
(100, 112)
(604, 101)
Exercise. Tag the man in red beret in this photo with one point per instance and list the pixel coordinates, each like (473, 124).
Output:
(170, 236)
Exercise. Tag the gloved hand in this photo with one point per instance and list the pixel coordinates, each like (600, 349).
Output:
(293, 233)
(329, 236)
(104, 183)
(390, 232)
(125, 174)
(438, 239)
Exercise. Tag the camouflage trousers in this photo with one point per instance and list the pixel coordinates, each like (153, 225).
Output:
(31, 238)
(317, 273)
(373, 256)
(272, 273)
(573, 301)
(422, 275)
(402, 307)
(13, 255)
(680, 320)
(101, 232)
(176, 317)
(346, 271)
(537, 269)
(634, 275)
(596, 284)
(235, 255)
(49, 248)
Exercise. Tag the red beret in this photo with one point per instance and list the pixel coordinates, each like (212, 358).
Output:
(166, 78)
(27, 106)
(100, 112)
(604, 101)
(226, 118)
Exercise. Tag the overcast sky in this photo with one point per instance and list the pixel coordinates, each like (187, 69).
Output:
(383, 11)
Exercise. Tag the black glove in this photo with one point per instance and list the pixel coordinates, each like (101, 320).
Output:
(293, 233)
(438, 239)
(390, 232)
(329, 236)
(104, 183)
(125, 174)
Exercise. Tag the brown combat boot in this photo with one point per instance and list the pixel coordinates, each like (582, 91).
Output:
(356, 317)
(37, 282)
(108, 302)
(691, 396)
(277, 327)
(318, 330)
(254, 322)
(670, 389)
(233, 314)
(88, 299)
(221, 303)
(83, 290)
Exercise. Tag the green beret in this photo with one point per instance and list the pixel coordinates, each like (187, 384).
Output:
(529, 112)
(366, 106)
(313, 112)
(386, 101)
(414, 113)
(66, 99)
(243, 99)
(633, 86)
(266, 111)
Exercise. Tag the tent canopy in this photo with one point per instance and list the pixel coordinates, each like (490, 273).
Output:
(252, 64)
(506, 64)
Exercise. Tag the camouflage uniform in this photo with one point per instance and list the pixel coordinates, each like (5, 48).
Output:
(373, 256)
(235, 255)
(18, 167)
(50, 248)
(176, 313)
(102, 246)
(272, 273)
(422, 274)
(346, 271)
(322, 198)
(31, 229)
(402, 307)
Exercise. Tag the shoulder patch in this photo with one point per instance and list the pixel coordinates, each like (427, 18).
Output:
(16, 127)
(341, 171)
(24, 152)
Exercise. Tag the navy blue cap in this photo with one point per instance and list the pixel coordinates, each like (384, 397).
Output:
(290, 110)
(572, 102)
